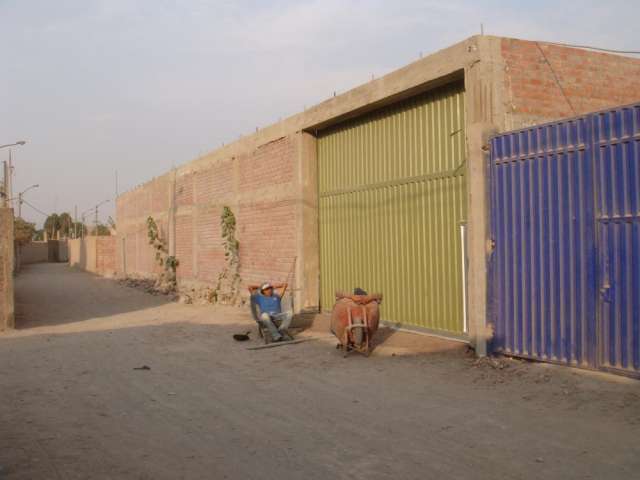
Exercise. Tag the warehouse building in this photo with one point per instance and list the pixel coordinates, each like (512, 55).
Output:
(383, 187)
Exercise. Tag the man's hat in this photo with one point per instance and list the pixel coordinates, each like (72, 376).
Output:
(265, 286)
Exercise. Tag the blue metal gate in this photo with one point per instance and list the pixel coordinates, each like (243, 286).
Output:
(565, 218)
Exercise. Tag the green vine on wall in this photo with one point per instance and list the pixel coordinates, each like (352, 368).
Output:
(228, 286)
(169, 263)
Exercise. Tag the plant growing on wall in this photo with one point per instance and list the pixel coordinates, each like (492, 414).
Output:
(228, 286)
(169, 263)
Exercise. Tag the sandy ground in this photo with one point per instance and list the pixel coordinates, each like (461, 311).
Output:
(73, 407)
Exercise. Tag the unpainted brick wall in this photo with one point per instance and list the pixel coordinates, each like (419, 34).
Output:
(94, 254)
(259, 187)
(6, 269)
(134, 255)
(106, 255)
(548, 82)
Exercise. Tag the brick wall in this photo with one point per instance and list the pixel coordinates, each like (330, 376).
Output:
(94, 254)
(34, 252)
(258, 185)
(590, 81)
(6, 269)
(106, 255)
(134, 255)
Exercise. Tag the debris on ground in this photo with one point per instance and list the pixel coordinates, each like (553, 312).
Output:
(143, 367)
(241, 337)
(148, 285)
(281, 344)
(493, 362)
(185, 299)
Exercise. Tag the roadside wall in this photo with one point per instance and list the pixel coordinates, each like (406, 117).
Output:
(106, 256)
(94, 254)
(260, 188)
(34, 252)
(6, 269)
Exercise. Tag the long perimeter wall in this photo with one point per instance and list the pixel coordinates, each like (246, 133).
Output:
(263, 189)
(269, 178)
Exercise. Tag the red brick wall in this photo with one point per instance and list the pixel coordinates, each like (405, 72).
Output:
(132, 210)
(259, 187)
(590, 80)
(184, 246)
(184, 190)
(268, 240)
(210, 252)
(269, 165)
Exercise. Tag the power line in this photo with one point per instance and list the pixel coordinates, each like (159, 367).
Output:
(555, 76)
(35, 208)
(609, 50)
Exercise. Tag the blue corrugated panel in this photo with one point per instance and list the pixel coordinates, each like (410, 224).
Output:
(616, 136)
(565, 211)
(542, 205)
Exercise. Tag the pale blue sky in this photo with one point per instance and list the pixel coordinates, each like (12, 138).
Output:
(97, 86)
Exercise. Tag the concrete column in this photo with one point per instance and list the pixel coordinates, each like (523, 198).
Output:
(307, 271)
(195, 245)
(478, 232)
(171, 217)
(122, 243)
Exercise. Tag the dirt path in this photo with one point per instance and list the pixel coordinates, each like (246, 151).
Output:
(72, 406)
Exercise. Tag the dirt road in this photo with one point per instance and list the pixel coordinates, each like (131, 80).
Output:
(73, 407)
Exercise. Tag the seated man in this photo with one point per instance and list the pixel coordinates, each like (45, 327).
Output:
(271, 315)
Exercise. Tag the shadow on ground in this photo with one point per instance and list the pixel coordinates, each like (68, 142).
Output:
(53, 294)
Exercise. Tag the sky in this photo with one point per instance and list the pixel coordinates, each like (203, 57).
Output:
(140, 86)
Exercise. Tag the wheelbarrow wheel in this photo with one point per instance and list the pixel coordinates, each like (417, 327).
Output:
(357, 333)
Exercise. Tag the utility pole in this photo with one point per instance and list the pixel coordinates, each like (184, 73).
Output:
(8, 171)
(95, 210)
(9, 182)
(20, 201)
(83, 216)
(5, 183)
(75, 221)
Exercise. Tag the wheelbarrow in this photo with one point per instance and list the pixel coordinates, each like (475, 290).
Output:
(354, 321)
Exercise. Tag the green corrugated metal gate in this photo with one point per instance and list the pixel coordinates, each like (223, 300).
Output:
(392, 190)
